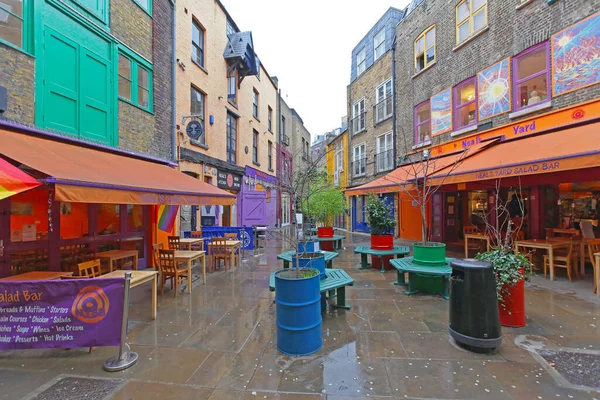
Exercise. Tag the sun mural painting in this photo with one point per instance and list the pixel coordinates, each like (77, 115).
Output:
(576, 56)
(493, 86)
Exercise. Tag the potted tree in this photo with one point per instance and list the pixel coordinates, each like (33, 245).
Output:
(323, 204)
(381, 225)
(512, 269)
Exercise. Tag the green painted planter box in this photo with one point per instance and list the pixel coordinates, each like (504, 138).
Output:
(432, 253)
(429, 284)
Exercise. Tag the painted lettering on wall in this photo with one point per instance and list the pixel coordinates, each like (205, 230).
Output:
(519, 170)
(526, 128)
(470, 142)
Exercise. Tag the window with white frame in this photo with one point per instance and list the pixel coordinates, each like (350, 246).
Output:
(338, 157)
(383, 108)
(358, 116)
(384, 152)
(361, 62)
(379, 44)
(359, 164)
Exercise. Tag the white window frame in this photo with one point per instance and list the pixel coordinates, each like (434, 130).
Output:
(339, 157)
(388, 144)
(362, 156)
(379, 44)
(359, 112)
(361, 61)
(381, 103)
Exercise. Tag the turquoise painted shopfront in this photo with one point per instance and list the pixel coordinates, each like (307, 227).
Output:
(81, 70)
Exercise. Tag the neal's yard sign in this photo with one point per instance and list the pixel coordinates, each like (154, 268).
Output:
(61, 314)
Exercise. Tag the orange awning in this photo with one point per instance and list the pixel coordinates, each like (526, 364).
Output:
(569, 149)
(87, 175)
(13, 180)
(408, 174)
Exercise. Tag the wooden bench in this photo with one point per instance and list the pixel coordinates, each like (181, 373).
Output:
(336, 239)
(364, 251)
(288, 255)
(337, 279)
(416, 271)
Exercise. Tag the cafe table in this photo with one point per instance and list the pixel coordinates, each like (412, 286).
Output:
(232, 246)
(37, 276)
(112, 256)
(188, 257)
(188, 243)
(139, 278)
(548, 245)
(476, 236)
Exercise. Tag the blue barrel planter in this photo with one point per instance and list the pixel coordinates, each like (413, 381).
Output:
(299, 322)
(308, 247)
(311, 260)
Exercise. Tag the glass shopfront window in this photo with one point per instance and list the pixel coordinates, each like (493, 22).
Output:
(74, 220)
(135, 218)
(478, 207)
(109, 219)
(29, 216)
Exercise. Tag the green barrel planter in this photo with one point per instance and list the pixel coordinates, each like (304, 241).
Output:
(430, 253)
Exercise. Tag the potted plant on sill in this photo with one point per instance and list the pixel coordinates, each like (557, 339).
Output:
(381, 225)
(512, 269)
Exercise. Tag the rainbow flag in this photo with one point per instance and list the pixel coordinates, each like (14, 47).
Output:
(166, 217)
(13, 180)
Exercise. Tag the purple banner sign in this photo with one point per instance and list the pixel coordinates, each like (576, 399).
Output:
(61, 314)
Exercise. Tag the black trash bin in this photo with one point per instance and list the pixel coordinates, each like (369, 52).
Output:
(474, 320)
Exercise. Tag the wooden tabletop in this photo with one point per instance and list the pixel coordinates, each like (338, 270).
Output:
(543, 242)
(188, 254)
(228, 243)
(37, 276)
(190, 240)
(137, 277)
(476, 236)
(117, 254)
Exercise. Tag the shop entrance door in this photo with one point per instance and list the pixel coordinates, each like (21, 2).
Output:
(359, 222)
(451, 210)
(437, 218)
(226, 215)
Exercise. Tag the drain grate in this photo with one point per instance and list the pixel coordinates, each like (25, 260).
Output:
(578, 368)
(75, 388)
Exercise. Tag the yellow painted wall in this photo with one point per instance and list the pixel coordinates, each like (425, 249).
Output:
(343, 182)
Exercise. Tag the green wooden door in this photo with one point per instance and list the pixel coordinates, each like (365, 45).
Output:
(96, 96)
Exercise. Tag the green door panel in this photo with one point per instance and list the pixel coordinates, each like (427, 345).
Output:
(96, 95)
(61, 83)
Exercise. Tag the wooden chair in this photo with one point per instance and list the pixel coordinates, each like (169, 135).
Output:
(169, 270)
(560, 261)
(197, 235)
(218, 251)
(89, 269)
(475, 245)
(174, 243)
(231, 236)
(594, 247)
(155, 248)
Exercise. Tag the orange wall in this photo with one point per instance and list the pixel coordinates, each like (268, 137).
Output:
(74, 225)
(38, 199)
(410, 218)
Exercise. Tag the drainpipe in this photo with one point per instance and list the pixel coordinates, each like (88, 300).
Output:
(173, 80)
(394, 100)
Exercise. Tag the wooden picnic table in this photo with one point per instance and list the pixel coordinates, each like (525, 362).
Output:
(476, 236)
(112, 256)
(337, 279)
(37, 276)
(288, 255)
(548, 245)
(235, 248)
(188, 243)
(139, 278)
(364, 251)
(414, 270)
(188, 257)
(336, 239)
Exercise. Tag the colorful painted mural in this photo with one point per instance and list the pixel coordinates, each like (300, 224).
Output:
(441, 112)
(493, 86)
(576, 56)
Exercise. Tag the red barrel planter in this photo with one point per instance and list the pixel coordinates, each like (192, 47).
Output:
(512, 310)
(325, 232)
(382, 242)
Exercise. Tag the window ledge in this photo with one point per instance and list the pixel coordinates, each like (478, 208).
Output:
(361, 131)
(421, 145)
(256, 163)
(256, 118)
(199, 66)
(531, 109)
(149, 12)
(271, 169)
(360, 176)
(233, 104)
(131, 103)
(12, 46)
(424, 69)
(464, 130)
(523, 5)
(383, 120)
(199, 144)
(471, 38)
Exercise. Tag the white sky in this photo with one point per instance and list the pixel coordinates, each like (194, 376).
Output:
(308, 46)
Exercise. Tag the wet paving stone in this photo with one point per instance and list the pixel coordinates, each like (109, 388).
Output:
(78, 388)
(578, 368)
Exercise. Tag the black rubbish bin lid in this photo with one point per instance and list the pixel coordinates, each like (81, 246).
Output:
(470, 263)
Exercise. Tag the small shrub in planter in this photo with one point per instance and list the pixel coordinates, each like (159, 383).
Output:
(381, 223)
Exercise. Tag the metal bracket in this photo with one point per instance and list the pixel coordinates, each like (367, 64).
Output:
(186, 117)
